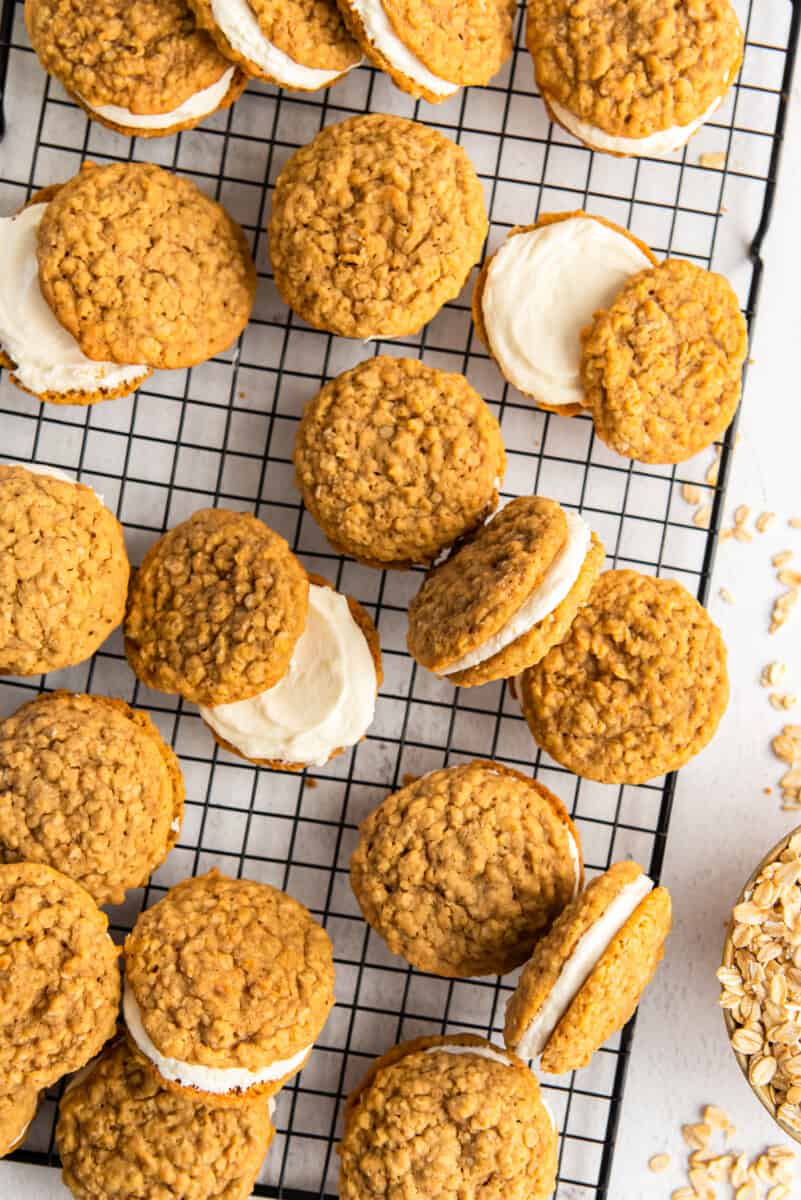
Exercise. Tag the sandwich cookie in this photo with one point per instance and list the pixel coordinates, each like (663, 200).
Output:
(325, 702)
(227, 985)
(637, 687)
(630, 79)
(375, 225)
(585, 978)
(63, 572)
(140, 67)
(536, 293)
(397, 460)
(17, 1110)
(299, 44)
(88, 786)
(448, 1116)
(463, 870)
(120, 1133)
(61, 983)
(661, 366)
(501, 601)
(216, 608)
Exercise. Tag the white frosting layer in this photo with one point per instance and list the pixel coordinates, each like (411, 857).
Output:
(664, 141)
(580, 965)
(557, 582)
(380, 34)
(218, 1080)
(575, 858)
(47, 356)
(325, 701)
(200, 105)
(541, 290)
(476, 1051)
(238, 23)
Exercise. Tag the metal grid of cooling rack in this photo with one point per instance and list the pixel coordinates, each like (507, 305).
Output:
(222, 434)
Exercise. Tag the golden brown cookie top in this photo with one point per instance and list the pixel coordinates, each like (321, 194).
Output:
(59, 980)
(396, 460)
(375, 225)
(637, 687)
(463, 41)
(119, 1129)
(144, 55)
(88, 786)
(437, 1123)
(461, 871)
(141, 267)
(63, 572)
(17, 1110)
(661, 368)
(634, 69)
(471, 596)
(215, 609)
(310, 32)
(230, 973)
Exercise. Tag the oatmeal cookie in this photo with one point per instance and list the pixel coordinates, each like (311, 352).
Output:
(638, 686)
(397, 460)
(375, 225)
(17, 1110)
(216, 608)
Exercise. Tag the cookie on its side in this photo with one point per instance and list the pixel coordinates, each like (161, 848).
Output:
(637, 687)
(117, 1124)
(463, 870)
(501, 601)
(448, 1115)
(586, 977)
(397, 460)
(17, 1110)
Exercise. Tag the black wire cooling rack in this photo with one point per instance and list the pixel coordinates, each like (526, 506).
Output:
(222, 434)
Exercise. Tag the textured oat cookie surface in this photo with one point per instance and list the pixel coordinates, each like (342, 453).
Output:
(17, 1110)
(63, 572)
(462, 41)
(230, 973)
(310, 32)
(637, 687)
(141, 267)
(59, 979)
(375, 225)
(634, 69)
(216, 608)
(88, 786)
(121, 1134)
(397, 460)
(461, 871)
(662, 366)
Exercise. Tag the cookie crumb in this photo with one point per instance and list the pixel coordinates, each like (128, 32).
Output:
(787, 700)
(726, 595)
(782, 558)
(794, 522)
(702, 515)
(772, 674)
(310, 783)
(764, 521)
(741, 514)
(691, 493)
(716, 159)
(787, 744)
(713, 470)
(658, 1163)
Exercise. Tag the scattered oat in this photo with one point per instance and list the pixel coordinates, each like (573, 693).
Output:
(691, 493)
(789, 578)
(783, 701)
(702, 515)
(764, 521)
(782, 558)
(794, 522)
(741, 514)
(658, 1163)
(768, 1176)
(726, 595)
(772, 674)
(713, 158)
(782, 607)
(726, 534)
(697, 1136)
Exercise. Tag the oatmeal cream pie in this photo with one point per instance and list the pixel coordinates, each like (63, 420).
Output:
(448, 1116)
(397, 460)
(140, 67)
(17, 1110)
(216, 609)
(325, 702)
(122, 1134)
(63, 571)
(228, 983)
(634, 79)
(501, 601)
(88, 786)
(59, 979)
(375, 225)
(461, 871)
(537, 292)
(586, 976)
(637, 687)
(661, 365)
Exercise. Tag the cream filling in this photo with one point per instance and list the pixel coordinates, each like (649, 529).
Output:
(325, 702)
(476, 1051)
(218, 1080)
(557, 582)
(664, 141)
(577, 969)
(575, 858)
(47, 356)
(541, 290)
(238, 24)
(206, 101)
(380, 34)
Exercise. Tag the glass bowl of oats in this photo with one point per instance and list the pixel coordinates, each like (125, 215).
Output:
(760, 980)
